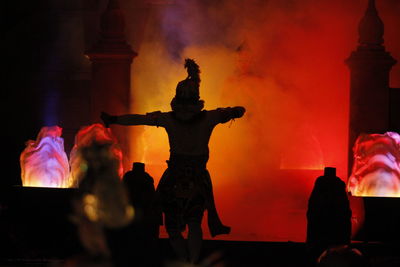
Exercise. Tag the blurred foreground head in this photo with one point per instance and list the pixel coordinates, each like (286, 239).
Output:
(86, 140)
(102, 201)
(104, 198)
(342, 256)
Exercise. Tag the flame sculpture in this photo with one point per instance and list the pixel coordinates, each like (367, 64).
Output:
(44, 162)
(95, 133)
(376, 168)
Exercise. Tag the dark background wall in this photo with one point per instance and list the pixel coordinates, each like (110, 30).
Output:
(46, 73)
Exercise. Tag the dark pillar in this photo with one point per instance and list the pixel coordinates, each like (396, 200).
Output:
(111, 62)
(370, 66)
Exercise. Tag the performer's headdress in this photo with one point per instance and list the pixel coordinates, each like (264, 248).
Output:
(186, 102)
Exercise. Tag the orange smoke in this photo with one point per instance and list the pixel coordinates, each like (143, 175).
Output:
(283, 61)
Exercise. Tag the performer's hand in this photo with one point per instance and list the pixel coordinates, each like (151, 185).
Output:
(107, 119)
(239, 111)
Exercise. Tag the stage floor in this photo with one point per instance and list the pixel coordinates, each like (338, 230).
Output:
(247, 254)
(35, 230)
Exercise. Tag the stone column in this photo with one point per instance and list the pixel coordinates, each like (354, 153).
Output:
(370, 67)
(111, 59)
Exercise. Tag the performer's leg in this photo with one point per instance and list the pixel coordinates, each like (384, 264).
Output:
(178, 243)
(214, 222)
(195, 238)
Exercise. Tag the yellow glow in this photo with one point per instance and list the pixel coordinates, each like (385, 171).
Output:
(90, 207)
(130, 212)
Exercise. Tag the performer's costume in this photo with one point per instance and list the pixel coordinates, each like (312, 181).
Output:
(185, 187)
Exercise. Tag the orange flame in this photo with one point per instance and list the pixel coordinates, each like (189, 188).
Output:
(376, 169)
(44, 162)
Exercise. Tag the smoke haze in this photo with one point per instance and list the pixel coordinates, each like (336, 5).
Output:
(283, 61)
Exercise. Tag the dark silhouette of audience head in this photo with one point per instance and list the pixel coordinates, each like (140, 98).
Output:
(330, 171)
(138, 166)
(137, 244)
(342, 256)
(140, 186)
(328, 214)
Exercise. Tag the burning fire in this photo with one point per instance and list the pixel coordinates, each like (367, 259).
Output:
(44, 162)
(376, 169)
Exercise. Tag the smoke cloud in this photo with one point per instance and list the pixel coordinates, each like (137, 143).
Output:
(283, 61)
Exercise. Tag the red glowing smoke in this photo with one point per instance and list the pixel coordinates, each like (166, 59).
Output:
(283, 61)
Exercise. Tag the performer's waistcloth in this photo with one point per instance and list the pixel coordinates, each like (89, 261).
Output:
(188, 176)
(186, 191)
(194, 161)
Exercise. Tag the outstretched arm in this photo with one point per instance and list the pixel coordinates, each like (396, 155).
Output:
(152, 119)
(227, 114)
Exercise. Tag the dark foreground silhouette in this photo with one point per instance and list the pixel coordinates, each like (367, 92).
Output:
(328, 214)
(142, 234)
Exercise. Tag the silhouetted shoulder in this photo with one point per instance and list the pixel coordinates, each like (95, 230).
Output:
(329, 180)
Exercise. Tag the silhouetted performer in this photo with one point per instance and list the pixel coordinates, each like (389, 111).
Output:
(185, 188)
(328, 214)
(144, 230)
